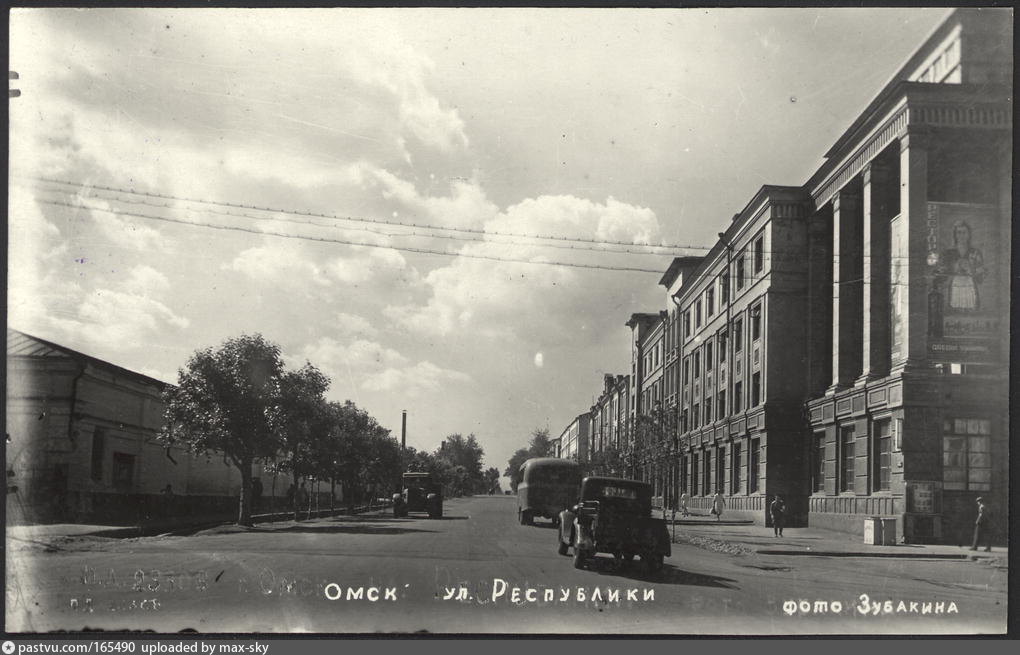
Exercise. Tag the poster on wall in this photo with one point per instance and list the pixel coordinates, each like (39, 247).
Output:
(963, 294)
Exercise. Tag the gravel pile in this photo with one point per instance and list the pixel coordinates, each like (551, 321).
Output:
(714, 545)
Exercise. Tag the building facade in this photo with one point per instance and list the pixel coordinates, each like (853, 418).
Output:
(844, 344)
(574, 440)
(81, 444)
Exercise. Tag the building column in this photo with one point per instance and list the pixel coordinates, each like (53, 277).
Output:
(847, 287)
(878, 208)
(910, 316)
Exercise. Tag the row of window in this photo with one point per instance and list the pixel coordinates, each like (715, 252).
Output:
(698, 477)
(701, 413)
(704, 306)
(966, 457)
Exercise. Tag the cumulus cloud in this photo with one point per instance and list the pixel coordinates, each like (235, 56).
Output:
(490, 296)
(352, 325)
(375, 367)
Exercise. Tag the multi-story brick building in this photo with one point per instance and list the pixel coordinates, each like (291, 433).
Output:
(575, 438)
(914, 210)
(844, 343)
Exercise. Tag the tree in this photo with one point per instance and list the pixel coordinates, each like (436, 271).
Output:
(227, 400)
(539, 446)
(461, 460)
(608, 462)
(303, 420)
(492, 480)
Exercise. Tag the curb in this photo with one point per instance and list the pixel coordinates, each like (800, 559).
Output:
(839, 553)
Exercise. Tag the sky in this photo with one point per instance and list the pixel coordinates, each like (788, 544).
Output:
(647, 127)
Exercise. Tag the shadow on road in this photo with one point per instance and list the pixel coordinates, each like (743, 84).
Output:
(363, 528)
(668, 575)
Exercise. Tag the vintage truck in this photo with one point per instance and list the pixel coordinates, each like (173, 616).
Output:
(614, 516)
(420, 494)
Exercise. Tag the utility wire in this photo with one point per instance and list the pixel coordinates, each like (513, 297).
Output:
(368, 220)
(479, 239)
(423, 251)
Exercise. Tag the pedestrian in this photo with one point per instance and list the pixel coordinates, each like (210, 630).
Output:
(256, 494)
(684, 499)
(718, 504)
(982, 527)
(777, 508)
(302, 498)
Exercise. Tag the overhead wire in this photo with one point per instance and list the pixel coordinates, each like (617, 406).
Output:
(424, 251)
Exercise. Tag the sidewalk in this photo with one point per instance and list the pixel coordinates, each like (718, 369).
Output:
(819, 542)
(43, 533)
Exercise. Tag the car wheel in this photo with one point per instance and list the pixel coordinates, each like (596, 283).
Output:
(563, 548)
(556, 521)
(580, 557)
(525, 516)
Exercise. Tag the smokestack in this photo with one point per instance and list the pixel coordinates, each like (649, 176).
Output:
(403, 430)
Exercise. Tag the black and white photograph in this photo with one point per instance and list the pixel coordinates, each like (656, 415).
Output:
(508, 321)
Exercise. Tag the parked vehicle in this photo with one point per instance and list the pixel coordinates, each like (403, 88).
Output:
(614, 516)
(548, 486)
(420, 494)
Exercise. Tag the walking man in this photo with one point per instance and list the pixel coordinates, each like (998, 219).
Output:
(777, 508)
(982, 527)
(684, 499)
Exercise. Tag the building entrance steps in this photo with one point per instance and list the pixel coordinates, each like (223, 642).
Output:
(818, 542)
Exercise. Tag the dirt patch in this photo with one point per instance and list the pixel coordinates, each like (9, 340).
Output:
(714, 545)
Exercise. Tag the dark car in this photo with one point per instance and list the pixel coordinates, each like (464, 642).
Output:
(548, 486)
(614, 516)
(420, 494)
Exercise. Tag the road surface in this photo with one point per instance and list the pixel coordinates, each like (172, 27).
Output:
(367, 574)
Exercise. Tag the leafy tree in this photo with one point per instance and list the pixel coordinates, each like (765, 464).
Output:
(227, 400)
(609, 462)
(303, 421)
(539, 446)
(460, 459)
(492, 480)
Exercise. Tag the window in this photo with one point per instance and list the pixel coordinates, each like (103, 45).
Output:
(752, 475)
(756, 323)
(818, 462)
(720, 406)
(710, 301)
(123, 472)
(738, 270)
(696, 414)
(695, 480)
(708, 356)
(724, 288)
(683, 421)
(722, 346)
(738, 388)
(883, 454)
(687, 369)
(98, 450)
(738, 335)
(720, 469)
(707, 485)
(697, 364)
(697, 313)
(759, 254)
(755, 389)
(846, 459)
(966, 454)
(687, 324)
(708, 412)
(735, 469)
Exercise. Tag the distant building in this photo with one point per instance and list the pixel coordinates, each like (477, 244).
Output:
(573, 441)
(81, 443)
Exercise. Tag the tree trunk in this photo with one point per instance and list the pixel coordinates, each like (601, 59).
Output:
(272, 498)
(332, 494)
(297, 499)
(244, 509)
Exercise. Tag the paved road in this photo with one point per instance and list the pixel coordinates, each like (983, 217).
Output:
(287, 577)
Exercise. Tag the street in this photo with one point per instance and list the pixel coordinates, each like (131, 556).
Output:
(474, 571)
